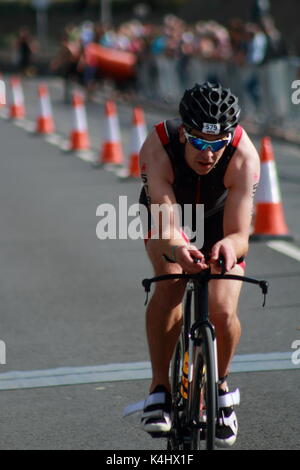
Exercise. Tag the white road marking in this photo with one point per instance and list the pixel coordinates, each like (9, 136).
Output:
(87, 156)
(130, 371)
(29, 126)
(54, 139)
(4, 113)
(285, 248)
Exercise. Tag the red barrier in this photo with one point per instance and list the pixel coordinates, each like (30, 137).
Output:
(119, 65)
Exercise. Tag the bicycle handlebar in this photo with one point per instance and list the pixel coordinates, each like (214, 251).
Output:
(206, 276)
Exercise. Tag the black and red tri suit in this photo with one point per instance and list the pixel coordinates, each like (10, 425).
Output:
(191, 188)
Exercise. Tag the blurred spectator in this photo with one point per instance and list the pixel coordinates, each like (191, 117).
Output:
(87, 33)
(276, 45)
(257, 44)
(25, 48)
(87, 65)
(255, 56)
(158, 41)
(260, 9)
(219, 40)
(237, 34)
(67, 59)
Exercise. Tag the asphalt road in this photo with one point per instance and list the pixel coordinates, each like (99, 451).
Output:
(69, 299)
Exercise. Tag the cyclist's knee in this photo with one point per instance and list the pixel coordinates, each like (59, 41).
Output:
(155, 252)
(224, 317)
(169, 293)
(159, 263)
(223, 303)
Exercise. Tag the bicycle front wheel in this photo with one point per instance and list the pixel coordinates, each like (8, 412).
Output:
(176, 367)
(179, 381)
(204, 391)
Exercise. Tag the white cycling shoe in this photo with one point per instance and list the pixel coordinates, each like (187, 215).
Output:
(227, 428)
(156, 415)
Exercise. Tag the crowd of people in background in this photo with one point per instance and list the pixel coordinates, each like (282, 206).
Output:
(238, 43)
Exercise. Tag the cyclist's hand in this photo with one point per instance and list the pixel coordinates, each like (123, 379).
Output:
(224, 248)
(186, 256)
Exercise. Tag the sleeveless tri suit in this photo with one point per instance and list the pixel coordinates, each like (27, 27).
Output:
(191, 188)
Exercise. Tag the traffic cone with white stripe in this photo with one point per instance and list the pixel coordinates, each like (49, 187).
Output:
(269, 221)
(2, 92)
(79, 139)
(139, 133)
(111, 151)
(17, 108)
(45, 123)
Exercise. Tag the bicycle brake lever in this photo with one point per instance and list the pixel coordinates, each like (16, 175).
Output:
(264, 285)
(221, 264)
(146, 283)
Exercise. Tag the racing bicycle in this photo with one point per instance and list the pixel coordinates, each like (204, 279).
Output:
(194, 369)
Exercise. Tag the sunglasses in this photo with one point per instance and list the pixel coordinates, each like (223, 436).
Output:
(201, 144)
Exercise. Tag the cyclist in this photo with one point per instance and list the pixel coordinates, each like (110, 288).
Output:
(204, 157)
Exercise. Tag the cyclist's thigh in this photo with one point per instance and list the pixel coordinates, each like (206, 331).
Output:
(224, 294)
(161, 266)
(154, 250)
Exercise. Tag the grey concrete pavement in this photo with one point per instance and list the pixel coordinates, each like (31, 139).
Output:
(88, 417)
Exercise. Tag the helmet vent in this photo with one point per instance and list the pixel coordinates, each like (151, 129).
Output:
(214, 109)
(215, 97)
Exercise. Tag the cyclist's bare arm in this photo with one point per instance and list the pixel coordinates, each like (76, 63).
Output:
(241, 179)
(157, 174)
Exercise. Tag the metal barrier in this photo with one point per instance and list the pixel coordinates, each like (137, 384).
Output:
(264, 91)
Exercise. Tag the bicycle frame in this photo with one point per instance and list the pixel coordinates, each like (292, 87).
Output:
(201, 317)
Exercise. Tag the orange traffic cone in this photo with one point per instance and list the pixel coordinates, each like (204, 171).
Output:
(17, 108)
(45, 123)
(2, 91)
(79, 139)
(269, 222)
(112, 151)
(139, 133)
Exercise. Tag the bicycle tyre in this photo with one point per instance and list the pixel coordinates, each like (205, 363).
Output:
(173, 442)
(179, 404)
(204, 392)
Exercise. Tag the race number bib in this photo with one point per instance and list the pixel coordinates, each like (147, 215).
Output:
(208, 128)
